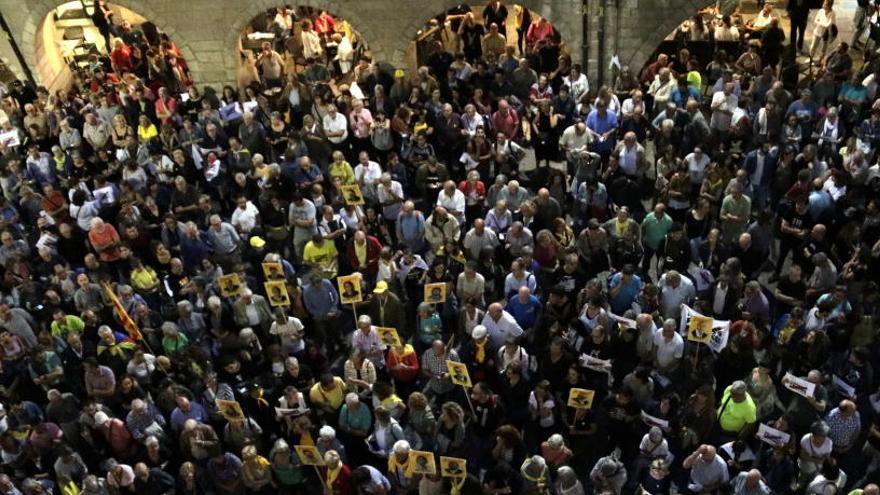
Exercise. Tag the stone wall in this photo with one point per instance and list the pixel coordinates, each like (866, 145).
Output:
(207, 31)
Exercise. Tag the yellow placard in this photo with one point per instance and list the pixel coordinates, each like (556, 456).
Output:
(350, 289)
(230, 409)
(453, 467)
(273, 271)
(230, 285)
(435, 293)
(458, 373)
(351, 194)
(581, 398)
(309, 455)
(389, 336)
(421, 462)
(276, 292)
(700, 329)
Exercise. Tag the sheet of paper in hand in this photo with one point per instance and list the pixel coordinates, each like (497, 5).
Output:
(843, 388)
(799, 385)
(772, 436)
(655, 421)
(595, 364)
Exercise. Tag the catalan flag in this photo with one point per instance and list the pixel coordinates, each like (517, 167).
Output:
(127, 323)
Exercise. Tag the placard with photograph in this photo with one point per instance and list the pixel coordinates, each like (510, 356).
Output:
(276, 291)
(230, 285)
(350, 289)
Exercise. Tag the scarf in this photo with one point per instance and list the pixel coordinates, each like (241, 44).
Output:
(481, 350)
(457, 483)
(394, 465)
(260, 400)
(332, 474)
(407, 350)
(256, 467)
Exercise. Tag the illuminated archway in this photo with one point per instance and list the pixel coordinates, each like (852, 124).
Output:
(67, 37)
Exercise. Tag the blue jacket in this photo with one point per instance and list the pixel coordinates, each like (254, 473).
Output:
(751, 163)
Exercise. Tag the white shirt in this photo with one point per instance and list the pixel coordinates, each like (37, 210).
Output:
(571, 141)
(335, 124)
(697, 167)
(311, 44)
(291, 338)
(245, 219)
(671, 298)
(499, 331)
(370, 173)
(454, 204)
(577, 87)
(388, 194)
(668, 352)
(823, 21)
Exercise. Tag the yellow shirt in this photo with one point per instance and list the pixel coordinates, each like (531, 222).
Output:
(147, 133)
(332, 398)
(144, 279)
(323, 256)
(735, 415)
(342, 170)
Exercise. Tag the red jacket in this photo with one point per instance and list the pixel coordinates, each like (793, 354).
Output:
(408, 358)
(465, 188)
(373, 249)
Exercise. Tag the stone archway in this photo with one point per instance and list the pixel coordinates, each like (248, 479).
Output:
(30, 21)
(640, 32)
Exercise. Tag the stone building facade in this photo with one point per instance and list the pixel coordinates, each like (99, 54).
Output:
(207, 31)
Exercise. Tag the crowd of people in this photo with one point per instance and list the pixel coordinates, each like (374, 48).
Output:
(663, 286)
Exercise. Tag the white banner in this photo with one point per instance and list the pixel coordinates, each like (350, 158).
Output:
(720, 329)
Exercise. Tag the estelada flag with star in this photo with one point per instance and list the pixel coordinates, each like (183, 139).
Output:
(127, 323)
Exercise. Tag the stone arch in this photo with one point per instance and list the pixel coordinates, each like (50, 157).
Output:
(38, 10)
(252, 9)
(565, 15)
(645, 41)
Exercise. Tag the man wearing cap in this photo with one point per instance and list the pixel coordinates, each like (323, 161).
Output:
(738, 412)
(386, 310)
(479, 355)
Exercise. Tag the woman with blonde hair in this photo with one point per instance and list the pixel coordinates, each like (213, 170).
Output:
(256, 471)
(421, 421)
(337, 475)
(450, 435)
(762, 390)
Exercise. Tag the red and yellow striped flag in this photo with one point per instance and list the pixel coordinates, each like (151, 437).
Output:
(127, 323)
